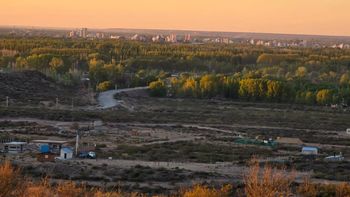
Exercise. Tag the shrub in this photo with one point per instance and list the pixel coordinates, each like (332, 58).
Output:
(11, 182)
(103, 86)
(342, 190)
(204, 191)
(307, 189)
(272, 182)
(157, 88)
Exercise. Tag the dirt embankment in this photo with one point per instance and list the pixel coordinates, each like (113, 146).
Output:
(33, 87)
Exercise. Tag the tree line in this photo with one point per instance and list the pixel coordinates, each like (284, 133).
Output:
(248, 88)
(128, 63)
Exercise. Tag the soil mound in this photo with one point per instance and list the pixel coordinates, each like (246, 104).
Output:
(32, 87)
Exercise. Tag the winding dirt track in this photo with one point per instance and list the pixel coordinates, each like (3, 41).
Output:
(106, 99)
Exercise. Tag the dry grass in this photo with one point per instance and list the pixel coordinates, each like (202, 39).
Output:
(307, 189)
(203, 191)
(267, 182)
(11, 183)
(41, 189)
(342, 190)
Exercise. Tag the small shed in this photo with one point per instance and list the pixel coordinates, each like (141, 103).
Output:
(44, 148)
(66, 153)
(53, 145)
(309, 150)
(15, 147)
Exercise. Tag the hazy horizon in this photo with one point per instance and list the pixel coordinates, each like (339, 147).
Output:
(314, 17)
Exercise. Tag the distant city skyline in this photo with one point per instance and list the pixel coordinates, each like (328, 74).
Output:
(315, 17)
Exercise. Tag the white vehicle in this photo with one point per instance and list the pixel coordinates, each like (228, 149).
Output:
(335, 158)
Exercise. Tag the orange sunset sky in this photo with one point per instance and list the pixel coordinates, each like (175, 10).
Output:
(328, 17)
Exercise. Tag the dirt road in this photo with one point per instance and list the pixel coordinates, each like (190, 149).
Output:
(223, 168)
(106, 99)
(183, 125)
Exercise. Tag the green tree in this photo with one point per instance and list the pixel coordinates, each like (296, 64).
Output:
(344, 79)
(310, 97)
(230, 87)
(96, 71)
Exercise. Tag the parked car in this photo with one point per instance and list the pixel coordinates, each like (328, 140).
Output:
(87, 155)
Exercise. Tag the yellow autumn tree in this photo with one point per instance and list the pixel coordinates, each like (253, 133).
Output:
(324, 96)
(344, 79)
(157, 88)
(189, 88)
(301, 72)
(208, 85)
(103, 86)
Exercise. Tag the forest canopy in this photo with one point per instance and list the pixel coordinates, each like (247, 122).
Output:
(301, 75)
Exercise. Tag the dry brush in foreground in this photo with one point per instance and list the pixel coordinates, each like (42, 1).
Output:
(258, 181)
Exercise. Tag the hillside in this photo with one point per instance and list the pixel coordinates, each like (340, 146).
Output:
(33, 87)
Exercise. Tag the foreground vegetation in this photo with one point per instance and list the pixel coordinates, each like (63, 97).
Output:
(266, 181)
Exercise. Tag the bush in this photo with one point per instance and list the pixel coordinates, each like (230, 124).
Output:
(268, 182)
(103, 86)
(203, 191)
(11, 181)
(157, 88)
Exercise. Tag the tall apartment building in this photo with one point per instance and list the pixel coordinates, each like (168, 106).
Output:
(83, 33)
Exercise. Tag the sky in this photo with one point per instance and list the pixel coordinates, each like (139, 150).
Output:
(321, 17)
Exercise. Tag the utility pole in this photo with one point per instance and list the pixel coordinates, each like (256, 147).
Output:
(56, 102)
(72, 104)
(77, 143)
(7, 101)
(90, 93)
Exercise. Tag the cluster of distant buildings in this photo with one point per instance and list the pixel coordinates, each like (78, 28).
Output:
(83, 33)
(276, 43)
(341, 46)
(184, 37)
(295, 43)
(188, 38)
(172, 38)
